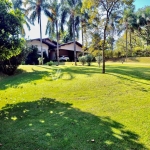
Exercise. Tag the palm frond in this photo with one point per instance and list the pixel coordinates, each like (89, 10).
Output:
(46, 6)
(47, 13)
(71, 3)
(33, 17)
(48, 28)
(30, 2)
(64, 16)
(30, 9)
(17, 3)
(28, 26)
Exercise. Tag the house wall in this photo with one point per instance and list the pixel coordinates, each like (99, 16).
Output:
(38, 44)
(63, 53)
(68, 53)
(71, 47)
(52, 55)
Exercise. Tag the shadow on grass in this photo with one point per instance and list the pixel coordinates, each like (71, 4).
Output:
(73, 70)
(22, 77)
(66, 73)
(134, 59)
(49, 124)
(134, 72)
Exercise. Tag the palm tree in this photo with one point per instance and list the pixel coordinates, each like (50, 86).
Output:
(143, 22)
(113, 27)
(56, 18)
(130, 23)
(84, 24)
(34, 10)
(17, 4)
(73, 8)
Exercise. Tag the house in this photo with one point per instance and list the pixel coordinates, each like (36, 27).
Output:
(67, 49)
(47, 45)
(50, 47)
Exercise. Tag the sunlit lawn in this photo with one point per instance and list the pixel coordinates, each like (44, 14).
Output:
(76, 108)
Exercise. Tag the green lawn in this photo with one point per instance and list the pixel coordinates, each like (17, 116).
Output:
(76, 108)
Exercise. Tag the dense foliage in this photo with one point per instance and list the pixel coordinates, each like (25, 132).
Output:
(11, 44)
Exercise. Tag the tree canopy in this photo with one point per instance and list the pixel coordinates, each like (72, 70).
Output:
(103, 10)
(10, 26)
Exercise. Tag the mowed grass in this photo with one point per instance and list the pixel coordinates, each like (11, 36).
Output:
(76, 108)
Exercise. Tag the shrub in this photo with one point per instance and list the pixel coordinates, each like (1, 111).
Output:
(10, 65)
(98, 59)
(89, 59)
(40, 60)
(82, 59)
(50, 63)
(32, 57)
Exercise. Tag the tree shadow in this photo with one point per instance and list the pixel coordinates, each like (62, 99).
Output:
(133, 59)
(88, 71)
(134, 72)
(49, 74)
(49, 124)
(22, 77)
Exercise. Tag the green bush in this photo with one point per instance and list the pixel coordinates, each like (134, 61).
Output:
(9, 66)
(89, 59)
(82, 59)
(50, 63)
(98, 59)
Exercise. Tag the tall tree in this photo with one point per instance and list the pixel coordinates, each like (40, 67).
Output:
(105, 8)
(130, 24)
(73, 8)
(143, 21)
(11, 45)
(18, 4)
(34, 10)
(56, 19)
(84, 25)
(11, 22)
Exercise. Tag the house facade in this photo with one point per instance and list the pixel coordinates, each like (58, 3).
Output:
(67, 49)
(50, 47)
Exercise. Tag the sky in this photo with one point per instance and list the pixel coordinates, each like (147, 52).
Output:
(141, 3)
(35, 32)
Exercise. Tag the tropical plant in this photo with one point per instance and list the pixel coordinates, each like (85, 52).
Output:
(56, 19)
(18, 4)
(73, 9)
(84, 27)
(34, 10)
(130, 25)
(143, 21)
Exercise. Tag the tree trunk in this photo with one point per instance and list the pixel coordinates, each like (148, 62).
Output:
(41, 40)
(103, 47)
(126, 43)
(57, 43)
(130, 43)
(82, 38)
(75, 55)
